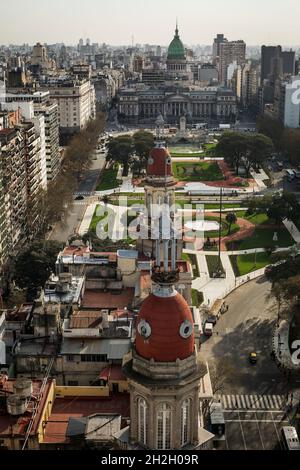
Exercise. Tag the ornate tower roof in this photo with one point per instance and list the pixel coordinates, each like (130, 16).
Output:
(176, 49)
(160, 162)
(165, 330)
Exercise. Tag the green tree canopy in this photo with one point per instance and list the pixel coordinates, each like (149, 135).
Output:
(121, 150)
(233, 146)
(35, 264)
(231, 219)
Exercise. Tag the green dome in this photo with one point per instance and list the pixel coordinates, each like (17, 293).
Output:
(176, 49)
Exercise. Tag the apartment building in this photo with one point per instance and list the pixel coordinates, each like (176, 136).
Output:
(76, 104)
(35, 106)
(230, 51)
(246, 84)
(14, 181)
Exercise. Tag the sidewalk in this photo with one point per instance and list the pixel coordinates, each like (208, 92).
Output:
(214, 289)
(291, 227)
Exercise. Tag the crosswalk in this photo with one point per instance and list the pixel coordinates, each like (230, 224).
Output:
(252, 402)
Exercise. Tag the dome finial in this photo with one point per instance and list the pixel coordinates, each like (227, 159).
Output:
(176, 30)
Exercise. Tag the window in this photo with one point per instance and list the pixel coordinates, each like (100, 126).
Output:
(164, 426)
(142, 421)
(72, 383)
(70, 358)
(185, 422)
(93, 358)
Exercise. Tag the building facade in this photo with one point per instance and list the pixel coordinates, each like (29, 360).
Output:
(34, 106)
(230, 51)
(210, 104)
(76, 104)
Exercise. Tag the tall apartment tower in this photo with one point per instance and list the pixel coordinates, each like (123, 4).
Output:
(231, 51)
(220, 39)
(271, 55)
(13, 165)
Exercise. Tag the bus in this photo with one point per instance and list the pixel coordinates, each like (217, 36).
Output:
(290, 438)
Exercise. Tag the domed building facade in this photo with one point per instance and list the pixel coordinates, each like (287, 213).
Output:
(176, 58)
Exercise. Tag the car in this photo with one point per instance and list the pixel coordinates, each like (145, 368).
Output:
(212, 319)
(79, 198)
(253, 357)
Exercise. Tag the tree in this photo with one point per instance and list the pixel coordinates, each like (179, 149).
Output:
(284, 269)
(231, 219)
(121, 150)
(233, 146)
(260, 148)
(143, 142)
(272, 129)
(291, 145)
(35, 264)
(104, 246)
(283, 206)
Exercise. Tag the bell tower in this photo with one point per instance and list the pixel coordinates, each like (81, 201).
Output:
(166, 374)
(161, 223)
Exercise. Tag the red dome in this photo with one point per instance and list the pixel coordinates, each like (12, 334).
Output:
(159, 163)
(165, 330)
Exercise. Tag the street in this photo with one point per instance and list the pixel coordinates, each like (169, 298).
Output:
(70, 225)
(246, 327)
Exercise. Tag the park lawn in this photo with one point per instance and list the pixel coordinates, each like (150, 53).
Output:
(224, 206)
(192, 259)
(108, 179)
(263, 238)
(197, 298)
(213, 264)
(245, 264)
(96, 219)
(258, 218)
(202, 171)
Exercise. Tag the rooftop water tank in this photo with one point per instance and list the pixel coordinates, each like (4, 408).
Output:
(16, 405)
(23, 388)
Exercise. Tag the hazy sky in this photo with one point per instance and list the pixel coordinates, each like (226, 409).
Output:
(149, 21)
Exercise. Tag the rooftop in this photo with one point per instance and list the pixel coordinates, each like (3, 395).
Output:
(17, 425)
(106, 300)
(75, 407)
(114, 349)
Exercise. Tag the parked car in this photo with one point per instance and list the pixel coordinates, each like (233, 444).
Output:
(79, 198)
(208, 329)
(212, 319)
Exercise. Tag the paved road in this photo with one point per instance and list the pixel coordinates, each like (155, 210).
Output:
(246, 327)
(76, 211)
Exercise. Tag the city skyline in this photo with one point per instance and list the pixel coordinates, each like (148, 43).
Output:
(198, 23)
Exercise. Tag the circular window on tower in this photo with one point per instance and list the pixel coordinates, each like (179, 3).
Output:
(186, 329)
(169, 161)
(144, 329)
(150, 161)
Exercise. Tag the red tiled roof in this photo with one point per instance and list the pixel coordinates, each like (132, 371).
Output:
(85, 319)
(105, 300)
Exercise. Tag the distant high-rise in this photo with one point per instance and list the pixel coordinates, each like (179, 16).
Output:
(230, 51)
(220, 39)
(273, 56)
